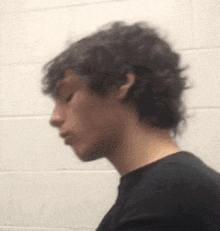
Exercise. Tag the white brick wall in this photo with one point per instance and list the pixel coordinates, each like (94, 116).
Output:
(43, 185)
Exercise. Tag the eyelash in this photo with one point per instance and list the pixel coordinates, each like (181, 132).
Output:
(69, 98)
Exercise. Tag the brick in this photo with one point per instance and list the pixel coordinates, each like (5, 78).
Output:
(203, 73)
(8, 6)
(31, 144)
(207, 23)
(202, 136)
(172, 18)
(38, 36)
(57, 200)
(33, 37)
(21, 91)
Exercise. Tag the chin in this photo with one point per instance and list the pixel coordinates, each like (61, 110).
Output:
(97, 150)
(89, 155)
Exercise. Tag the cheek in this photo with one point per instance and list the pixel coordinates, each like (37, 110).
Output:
(89, 114)
(81, 115)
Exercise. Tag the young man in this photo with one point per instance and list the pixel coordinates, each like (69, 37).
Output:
(118, 95)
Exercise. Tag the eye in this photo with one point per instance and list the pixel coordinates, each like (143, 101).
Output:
(69, 98)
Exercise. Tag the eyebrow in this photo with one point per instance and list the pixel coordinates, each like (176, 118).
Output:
(57, 90)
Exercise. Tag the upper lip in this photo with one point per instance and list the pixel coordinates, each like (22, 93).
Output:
(64, 134)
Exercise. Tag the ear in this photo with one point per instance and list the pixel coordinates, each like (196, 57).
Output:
(123, 90)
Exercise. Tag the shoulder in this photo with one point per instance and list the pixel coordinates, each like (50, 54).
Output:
(175, 186)
(180, 172)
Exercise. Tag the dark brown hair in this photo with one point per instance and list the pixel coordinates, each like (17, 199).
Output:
(104, 58)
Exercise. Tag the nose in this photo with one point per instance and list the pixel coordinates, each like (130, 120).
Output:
(56, 119)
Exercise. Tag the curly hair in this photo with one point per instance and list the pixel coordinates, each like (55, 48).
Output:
(104, 58)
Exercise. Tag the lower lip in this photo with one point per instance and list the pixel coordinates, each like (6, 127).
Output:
(67, 140)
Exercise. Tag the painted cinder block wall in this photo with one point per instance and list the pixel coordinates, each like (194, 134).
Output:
(43, 185)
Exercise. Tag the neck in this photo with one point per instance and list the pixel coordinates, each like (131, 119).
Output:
(140, 147)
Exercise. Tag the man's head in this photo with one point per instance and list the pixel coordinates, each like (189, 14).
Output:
(124, 67)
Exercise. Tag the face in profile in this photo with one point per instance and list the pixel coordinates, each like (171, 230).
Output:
(94, 125)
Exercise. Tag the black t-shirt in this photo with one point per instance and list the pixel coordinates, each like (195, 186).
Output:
(178, 192)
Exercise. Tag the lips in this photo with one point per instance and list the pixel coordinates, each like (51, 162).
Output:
(64, 134)
(67, 139)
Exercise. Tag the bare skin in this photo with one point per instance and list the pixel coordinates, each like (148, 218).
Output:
(103, 127)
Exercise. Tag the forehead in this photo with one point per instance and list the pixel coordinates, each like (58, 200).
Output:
(70, 79)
